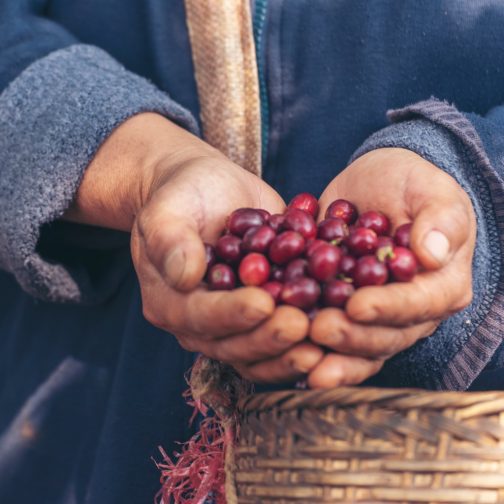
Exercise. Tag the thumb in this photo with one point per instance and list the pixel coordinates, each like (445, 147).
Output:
(439, 230)
(174, 247)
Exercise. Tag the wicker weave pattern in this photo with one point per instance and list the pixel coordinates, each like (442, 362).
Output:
(223, 52)
(371, 445)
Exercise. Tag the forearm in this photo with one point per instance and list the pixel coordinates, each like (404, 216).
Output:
(117, 182)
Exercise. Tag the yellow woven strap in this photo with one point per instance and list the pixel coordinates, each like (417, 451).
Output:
(223, 53)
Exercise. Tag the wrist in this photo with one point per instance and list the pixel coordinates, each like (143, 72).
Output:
(138, 155)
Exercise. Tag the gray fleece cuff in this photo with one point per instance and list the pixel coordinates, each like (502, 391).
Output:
(464, 344)
(53, 118)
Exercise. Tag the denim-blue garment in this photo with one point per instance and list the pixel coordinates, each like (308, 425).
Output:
(88, 389)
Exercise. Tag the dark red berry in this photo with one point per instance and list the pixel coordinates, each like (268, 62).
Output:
(274, 288)
(300, 221)
(402, 235)
(312, 314)
(385, 241)
(297, 268)
(370, 271)
(314, 245)
(303, 293)
(254, 269)
(374, 220)
(277, 273)
(336, 293)
(362, 241)
(332, 230)
(258, 239)
(306, 202)
(210, 256)
(228, 248)
(384, 248)
(342, 209)
(402, 264)
(347, 266)
(266, 215)
(324, 262)
(244, 218)
(286, 246)
(276, 221)
(221, 277)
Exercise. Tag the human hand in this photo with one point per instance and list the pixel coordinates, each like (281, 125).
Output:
(382, 321)
(174, 192)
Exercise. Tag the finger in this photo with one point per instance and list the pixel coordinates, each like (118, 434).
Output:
(286, 327)
(291, 366)
(333, 329)
(429, 296)
(221, 313)
(336, 370)
(441, 226)
(173, 245)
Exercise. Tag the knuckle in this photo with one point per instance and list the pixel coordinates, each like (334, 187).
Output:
(187, 343)
(464, 300)
(152, 316)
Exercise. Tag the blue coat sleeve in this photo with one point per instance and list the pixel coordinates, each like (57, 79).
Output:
(470, 148)
(59, 100)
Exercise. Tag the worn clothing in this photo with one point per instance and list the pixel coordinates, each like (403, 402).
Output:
(88, 388)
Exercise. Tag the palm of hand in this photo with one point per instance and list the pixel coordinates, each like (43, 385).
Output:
(381, 321)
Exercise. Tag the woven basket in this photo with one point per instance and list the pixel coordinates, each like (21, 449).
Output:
(371, 445)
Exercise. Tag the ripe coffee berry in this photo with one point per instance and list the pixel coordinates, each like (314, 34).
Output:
(376, 221)
(277, 273)
(301, 222)
(228, 248)
(370, 271)
(258, 239)
(297, 268)
(312, 246)
(402, 264)
(274, 288)
(303, 293)
(276, 221)
(332, 230)
(266, 215)
(402, 235)
(323, 264)
(221, 277)
(306, 202)
(254, 269)
(347, 266)
(210, 256)
(384, 241)
(294, 259)
(342, 209)
(336, 293)
(243, 219)
(286, 246)
(362, 241)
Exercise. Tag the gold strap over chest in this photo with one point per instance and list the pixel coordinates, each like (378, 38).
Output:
(223, 52)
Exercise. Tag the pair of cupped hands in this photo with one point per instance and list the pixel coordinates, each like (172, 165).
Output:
(174, 192)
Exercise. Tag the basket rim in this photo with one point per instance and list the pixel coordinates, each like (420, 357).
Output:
(396, 398)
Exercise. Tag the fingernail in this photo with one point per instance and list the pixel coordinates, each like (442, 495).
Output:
(300, 367)
(255, 313)
(437, 244)
(174, 266)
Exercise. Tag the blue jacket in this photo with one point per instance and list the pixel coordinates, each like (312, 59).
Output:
(88, 389)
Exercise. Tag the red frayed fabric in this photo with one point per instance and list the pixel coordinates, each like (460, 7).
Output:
(197, 471)
(197, 474)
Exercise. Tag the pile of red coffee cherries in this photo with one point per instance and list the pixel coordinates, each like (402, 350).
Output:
(307, 265)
